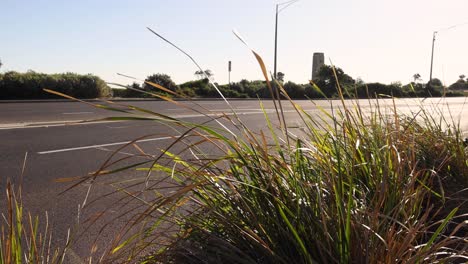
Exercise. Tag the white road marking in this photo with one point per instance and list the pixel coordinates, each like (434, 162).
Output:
(84, 122)
(50, 124)
(143, 140)
(117, 127)
(211, 103)
(244, 109)
(102, 145)
(77, 113)
(256, 109)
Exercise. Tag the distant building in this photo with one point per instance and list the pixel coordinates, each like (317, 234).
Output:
(317, 62)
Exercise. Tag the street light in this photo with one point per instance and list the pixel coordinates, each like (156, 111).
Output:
(433, 41)
(278, 10)
(432, 58)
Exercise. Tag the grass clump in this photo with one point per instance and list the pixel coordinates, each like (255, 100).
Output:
(23, 237)
(356, 190)
(357, 183)
(354, 185)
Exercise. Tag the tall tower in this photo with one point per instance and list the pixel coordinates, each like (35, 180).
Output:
(317, 61)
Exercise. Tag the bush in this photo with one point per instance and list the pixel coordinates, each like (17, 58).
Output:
(30, 85)
(201, 88)
(374, 90)
(295, 91)
(131, 92)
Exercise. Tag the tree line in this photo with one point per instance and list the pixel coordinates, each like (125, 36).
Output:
(30, 85)
(323, 86)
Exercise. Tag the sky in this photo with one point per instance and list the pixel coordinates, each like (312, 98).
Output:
(374, 40)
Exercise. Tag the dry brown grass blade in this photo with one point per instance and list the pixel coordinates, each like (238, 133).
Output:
(8, 251)
(264, 72)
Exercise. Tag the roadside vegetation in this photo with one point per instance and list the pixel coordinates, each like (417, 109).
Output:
(360, 183)
(15, 85)
(351, 185)
(326, 80)
(25, 238)
(30, 85)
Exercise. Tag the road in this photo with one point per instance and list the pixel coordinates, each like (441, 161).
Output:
(57, 146)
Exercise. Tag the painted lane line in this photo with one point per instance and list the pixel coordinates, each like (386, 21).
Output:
(102, 145)
(77, 113)
(256, 109)
(244, 109)
(84, 122)
(50, 124)
(211, 103)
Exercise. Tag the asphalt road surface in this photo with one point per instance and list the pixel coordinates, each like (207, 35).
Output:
(58, 145)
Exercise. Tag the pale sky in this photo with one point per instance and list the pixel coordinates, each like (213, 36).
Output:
(375, 40)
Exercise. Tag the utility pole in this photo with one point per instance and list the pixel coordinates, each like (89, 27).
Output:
(276, 39)
(432, 58)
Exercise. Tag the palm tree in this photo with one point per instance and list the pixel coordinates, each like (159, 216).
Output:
(280, 76)
(417, 77)
(203, 74)
(199, 74)
(208, 73)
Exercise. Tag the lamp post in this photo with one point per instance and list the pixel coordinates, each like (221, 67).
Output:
(432, 58)
(229, 73)
(279, 7)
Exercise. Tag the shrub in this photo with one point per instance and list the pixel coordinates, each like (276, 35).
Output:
(295, 91)
(30, 85)
(377, 90)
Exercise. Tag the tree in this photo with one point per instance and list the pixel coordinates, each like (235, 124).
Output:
(280, 76)
(436, 82)
(416, 77)
(161, 79)
(1, 63)
(199, 74)
(133, 92)
(294, 91)
(327, 81)
(460, 84)
(208, 73)
(203, 74)
(462, 76)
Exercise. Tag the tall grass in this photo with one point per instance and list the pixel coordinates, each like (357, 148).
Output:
(359, 183)
(23, 238)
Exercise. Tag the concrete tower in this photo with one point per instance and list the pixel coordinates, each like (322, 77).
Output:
(317, 62)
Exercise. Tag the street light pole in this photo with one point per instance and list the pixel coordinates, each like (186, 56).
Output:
(276, 40)
(432, 58)
(278, 10)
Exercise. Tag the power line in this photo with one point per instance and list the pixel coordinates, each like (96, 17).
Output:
(452, 27)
